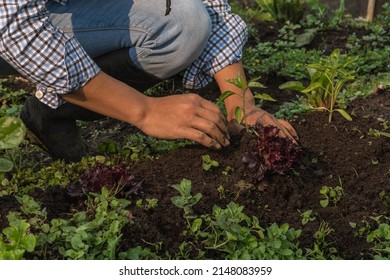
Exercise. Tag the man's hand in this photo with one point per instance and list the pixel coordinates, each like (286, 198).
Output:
(186, 116)
(174, 117)
(258, 116)
(254, 114)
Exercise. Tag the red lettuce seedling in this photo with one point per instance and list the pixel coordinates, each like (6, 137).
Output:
(112, 177)
(270, 152)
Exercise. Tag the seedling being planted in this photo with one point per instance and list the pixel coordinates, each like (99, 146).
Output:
(239, 82)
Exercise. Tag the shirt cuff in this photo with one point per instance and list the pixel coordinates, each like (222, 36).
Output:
(80, 69)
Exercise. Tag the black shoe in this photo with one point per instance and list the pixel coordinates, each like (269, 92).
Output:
(60, 137)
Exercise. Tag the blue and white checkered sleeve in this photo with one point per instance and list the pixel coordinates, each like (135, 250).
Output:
(46, 56)
(224, 47)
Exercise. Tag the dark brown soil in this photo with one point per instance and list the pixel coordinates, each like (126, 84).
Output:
(340, 150)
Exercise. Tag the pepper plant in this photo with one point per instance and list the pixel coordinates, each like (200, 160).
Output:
(239, 82)
(327, 78)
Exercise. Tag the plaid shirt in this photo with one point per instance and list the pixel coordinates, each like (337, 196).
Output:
(58, 64)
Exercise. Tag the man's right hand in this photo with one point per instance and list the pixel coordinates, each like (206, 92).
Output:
(186, 116)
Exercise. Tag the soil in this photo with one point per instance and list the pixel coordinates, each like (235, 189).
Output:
(340, 150)
(332, 152)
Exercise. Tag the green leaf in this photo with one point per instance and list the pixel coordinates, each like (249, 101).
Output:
(223, 96)
(264, 96)
(312, 86)
(196, 225)
(238, 82)
(253, 83)
(344, 114)
(292, 85)
(29, 243)
(179, 201)
(324, 203)
(6, 165)
(12, 132)
(305, 38)
(230, 236)
(238, 114)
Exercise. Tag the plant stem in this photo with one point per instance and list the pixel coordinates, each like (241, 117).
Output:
(244, 109)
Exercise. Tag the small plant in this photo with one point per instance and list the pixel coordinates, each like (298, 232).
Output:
(328, 77)
(101, 175)
(149, 204)
(377, 133)
(331, 194)
(381, 239)
(93, 234)
(322, 249)
(270, 152)
(208, 163)
(283, 10)
(186, 200)
(231, 232)
(12, 133)
(228, 170)
(17, 241)
(307, 217)
(240, 111)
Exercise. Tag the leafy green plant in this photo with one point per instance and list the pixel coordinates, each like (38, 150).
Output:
(327, 79)
(235, 235)
(321, 16)
(271, 58)
(322, 248)
(383, 18)
(378, 133)
(186, 200)
(12, 133)
(290, 109)
(307, 217)
(17, 241)
(11, 100)
(283, 10)
(381, 239)
(331, 194)
(92, 234)
(208, 163)
(149, 203)
(239, 82)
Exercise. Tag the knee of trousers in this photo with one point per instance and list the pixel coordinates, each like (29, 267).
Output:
(190, 30)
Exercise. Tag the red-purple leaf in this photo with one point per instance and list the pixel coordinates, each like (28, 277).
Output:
(270, 152)
(112, 177)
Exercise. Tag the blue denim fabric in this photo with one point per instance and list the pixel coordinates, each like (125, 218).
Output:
(158, 44)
